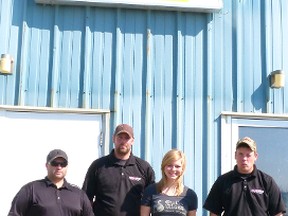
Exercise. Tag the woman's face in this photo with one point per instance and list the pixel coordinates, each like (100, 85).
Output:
(173, 170)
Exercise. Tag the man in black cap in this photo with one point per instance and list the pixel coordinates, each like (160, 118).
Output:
(53, 195)
(245, 190)
(115, 183)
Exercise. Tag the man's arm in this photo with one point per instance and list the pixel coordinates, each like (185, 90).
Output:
(21, 202)
(145, 210)
(192, 213)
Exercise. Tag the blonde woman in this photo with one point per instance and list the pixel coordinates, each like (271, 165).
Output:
(169, 196)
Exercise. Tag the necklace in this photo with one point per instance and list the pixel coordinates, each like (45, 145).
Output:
(170, 191)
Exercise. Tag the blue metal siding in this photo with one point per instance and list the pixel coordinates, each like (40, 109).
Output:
(169, 74)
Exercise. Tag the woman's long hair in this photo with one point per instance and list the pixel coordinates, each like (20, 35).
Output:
(168, 158)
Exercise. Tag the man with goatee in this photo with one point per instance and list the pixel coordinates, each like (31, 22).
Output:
(115, 183)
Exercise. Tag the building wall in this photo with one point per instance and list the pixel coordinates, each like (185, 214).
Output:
(169, 74)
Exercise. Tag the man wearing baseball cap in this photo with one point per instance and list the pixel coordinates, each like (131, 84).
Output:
(52, 195)
(245, 190)
(115, 183)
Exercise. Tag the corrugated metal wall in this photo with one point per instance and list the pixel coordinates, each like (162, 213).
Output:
(169, 74)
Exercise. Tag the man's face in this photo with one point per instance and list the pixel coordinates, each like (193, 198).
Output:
(123, 143)
(57, 169)
(245, 159)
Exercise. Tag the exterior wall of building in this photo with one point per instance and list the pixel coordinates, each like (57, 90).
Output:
(170, 74)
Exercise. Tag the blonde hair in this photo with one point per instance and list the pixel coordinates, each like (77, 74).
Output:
(168, 158)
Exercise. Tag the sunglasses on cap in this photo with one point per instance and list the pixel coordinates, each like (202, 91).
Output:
(58, 163)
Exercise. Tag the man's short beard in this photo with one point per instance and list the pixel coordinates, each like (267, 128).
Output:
(120, 151)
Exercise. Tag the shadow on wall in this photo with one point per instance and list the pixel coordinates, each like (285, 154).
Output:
(257, 99)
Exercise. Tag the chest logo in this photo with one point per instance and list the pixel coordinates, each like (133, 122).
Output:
(257, 191)
(134, 178)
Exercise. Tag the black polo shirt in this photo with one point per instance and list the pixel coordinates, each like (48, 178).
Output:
(237, 195)
(117, 185)
(42, 198)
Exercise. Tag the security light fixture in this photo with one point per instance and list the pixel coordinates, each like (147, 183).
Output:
(6, 64)
(277, 79)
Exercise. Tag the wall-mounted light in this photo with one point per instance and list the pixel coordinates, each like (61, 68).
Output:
(6, 64)
(277, 79)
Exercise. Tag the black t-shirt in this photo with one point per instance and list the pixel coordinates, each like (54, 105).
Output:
(117, 186)
(42, 198)
(164, 205)
(238, 195)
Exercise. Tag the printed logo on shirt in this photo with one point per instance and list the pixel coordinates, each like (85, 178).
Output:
(169, 206)
(257, 191)
(134, 178)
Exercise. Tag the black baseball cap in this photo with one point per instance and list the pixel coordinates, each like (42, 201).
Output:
(56, 153)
